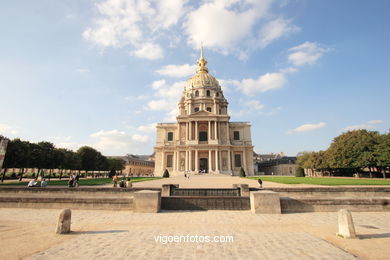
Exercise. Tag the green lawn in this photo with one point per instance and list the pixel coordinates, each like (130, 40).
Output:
(322, 181)
(83, 182)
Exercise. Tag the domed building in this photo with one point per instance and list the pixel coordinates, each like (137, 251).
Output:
(203, 140)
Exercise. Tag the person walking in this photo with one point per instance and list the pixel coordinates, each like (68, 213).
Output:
(115, 180)
(260, 183)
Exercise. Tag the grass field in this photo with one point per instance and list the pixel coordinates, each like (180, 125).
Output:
(82, 182)
(322, 181)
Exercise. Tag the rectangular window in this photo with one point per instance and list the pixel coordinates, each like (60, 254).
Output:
(237, 160)
(202, 136)
(170, 136)
(208, 109)
(169, 160)
(196, 109)
(236, 135)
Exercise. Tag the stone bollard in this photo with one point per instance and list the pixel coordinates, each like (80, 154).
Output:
(265, 202)
(166, 189)
(346, 227)
(147, 201)
(64, 221)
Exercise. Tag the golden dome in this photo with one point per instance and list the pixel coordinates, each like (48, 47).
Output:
(202, 78)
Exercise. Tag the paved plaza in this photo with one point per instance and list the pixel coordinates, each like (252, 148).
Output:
(210, 181)
(29, 233)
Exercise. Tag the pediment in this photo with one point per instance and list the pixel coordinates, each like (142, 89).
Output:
(202, 113)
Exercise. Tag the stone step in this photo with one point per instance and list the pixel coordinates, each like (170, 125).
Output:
(205, 203)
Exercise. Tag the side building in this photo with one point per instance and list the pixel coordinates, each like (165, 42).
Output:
(203, 139)
(137, 165)
(274, 164)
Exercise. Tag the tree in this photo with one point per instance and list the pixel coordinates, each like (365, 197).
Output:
(242, 172)
(90, 159)
(351, 149)
(115, 164)
(17, 156)
(382, 154)
(166, 174)
(299, 172)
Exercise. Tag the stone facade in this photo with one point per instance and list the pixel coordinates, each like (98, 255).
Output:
(203, 139)
(276, 165)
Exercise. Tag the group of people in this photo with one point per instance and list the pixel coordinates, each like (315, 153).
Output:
(73, 181)
(34, 183)
(123, 183)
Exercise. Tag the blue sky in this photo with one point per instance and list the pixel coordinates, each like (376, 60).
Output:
(102, 73)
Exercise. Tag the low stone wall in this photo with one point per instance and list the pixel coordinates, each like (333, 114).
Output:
(73, 203)
(291, 205)
(331, 192)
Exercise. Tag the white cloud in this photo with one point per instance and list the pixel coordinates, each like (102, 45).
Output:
(372, 124)
(226, 26)
(307, 128)
(168, 95)
(131, 23)
(149, 51)
(136, 98)
(306, 53)
(253, 104)
(171, 115)
(223, 25)
(263, 83)
(160, 104)
(115, 142)
(274, 30)
(178, 71)
(150, 128)
(82, 71)
(8, 130)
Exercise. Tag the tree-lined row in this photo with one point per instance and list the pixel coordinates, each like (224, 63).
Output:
(353, 152)
(44, 155)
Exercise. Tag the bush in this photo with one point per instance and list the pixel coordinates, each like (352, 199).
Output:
(166, 174)
(300, 172)
(242, 172)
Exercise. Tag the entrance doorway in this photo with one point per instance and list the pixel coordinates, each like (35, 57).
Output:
(203, 165)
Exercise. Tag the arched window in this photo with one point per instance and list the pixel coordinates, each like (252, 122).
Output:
(196, 93)
(208, 93)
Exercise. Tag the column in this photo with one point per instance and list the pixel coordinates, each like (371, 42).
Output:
(227, 132)
(178, 161)
(196, 131)
(163, 161)
(209, 161)
(216, 161)
(196, 162)
(190, 134)
(209, 132)
(229, 163)
(244, 161)
(186, 131)
(215, 130)
(179, 133)
(186, 162)
(189, 109)
(174, 161)
(190, 161)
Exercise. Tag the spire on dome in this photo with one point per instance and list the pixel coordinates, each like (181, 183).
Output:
(202, 62)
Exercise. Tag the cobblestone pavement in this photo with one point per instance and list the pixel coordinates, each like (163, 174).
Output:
(127, 235)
